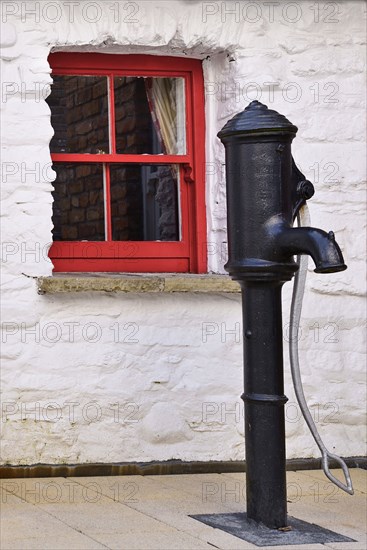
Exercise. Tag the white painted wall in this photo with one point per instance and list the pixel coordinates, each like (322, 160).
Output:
(168, 393)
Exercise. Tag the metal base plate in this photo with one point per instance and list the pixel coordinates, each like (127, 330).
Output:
(301, 532)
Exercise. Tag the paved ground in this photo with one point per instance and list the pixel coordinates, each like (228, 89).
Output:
(152, 512)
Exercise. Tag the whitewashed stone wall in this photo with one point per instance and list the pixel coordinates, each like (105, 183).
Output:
(167, 387)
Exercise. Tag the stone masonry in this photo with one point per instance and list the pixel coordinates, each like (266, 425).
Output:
(110, 376)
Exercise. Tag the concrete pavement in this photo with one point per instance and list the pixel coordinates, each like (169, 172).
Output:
(152, 512)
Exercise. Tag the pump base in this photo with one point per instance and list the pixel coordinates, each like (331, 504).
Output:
(301, 532)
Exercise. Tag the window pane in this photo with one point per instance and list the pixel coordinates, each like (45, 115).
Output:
(150, 115)
(78, 209)
(79, 114)
(144, 202)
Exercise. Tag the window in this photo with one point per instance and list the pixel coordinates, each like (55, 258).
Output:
(128, 151)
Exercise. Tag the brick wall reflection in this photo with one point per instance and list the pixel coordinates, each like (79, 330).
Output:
(79, 107)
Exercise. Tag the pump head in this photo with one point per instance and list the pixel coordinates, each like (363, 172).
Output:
(265, 190)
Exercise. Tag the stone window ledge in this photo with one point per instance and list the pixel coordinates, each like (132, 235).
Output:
(126, 282)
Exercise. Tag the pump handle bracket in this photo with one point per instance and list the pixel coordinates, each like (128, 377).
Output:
(302, 189)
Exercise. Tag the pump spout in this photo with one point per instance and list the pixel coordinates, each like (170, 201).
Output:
(318, 244)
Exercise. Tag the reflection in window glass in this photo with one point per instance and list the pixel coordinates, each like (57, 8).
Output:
(150, 115)
(144, 202)
(79, 114)
(78, 209)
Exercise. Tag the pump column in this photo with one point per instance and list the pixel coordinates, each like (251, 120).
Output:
(264, 403)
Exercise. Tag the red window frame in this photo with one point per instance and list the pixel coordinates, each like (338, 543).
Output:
(188, 254)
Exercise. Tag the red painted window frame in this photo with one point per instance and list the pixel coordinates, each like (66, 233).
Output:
(188, 255)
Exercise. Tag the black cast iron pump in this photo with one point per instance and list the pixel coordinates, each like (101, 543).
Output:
(265, 190)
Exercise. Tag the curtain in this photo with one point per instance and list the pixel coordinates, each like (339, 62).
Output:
(166, 104)
(166, 101)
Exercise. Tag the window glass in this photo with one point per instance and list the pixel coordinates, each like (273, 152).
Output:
(149, 115)
(79, 114)
(78, 210)
(144, 202)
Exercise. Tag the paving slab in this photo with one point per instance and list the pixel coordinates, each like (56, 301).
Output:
(52, 543)
(154, 541)
(187, 496)
(211, 490)
(344, 514)
(26, 526)
(149, 512)
(358, 476)
(167, 500)
(85, 508)
(359, 545)
(50, 490)
(307, 478)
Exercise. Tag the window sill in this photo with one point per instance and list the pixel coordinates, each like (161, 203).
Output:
(137, 283)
